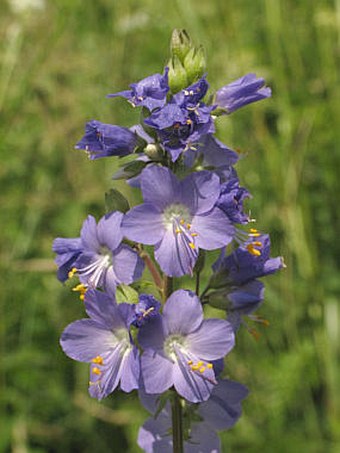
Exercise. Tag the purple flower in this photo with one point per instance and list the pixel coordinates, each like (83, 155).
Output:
(182, 122)
(178, 218)
(213, 155)
(150, 92)
(231, 201)
(221, 411)
(146, 309)
(103, 140)
(237, 273)
(67, 250)
(104, 341)
(179, 347)
(242, 91)
(155, 437)
(100, 260)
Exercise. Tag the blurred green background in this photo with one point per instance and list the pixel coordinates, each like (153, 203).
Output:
(58, 60)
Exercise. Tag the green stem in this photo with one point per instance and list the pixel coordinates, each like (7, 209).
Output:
(177, 424)
(167, 287)
(198, 274)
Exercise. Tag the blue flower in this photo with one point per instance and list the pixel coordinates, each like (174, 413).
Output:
(178, 218)
(103, 140)
(101, 260)
(150, 92)
(104, 341)
(184, 120)
(243, 91)
(239, 290)
(179, 347)
(231, 201)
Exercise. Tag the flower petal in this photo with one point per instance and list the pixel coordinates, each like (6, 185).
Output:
(108, 230)
(131, 370)
(213, 340)
(88, 235)
(200, 191)
(174, 254)
(192, 385)
(182, 312)
(143, 224)
(214, 230)
(127, 265)
(159, 186)
(157, 372)
(85, 339)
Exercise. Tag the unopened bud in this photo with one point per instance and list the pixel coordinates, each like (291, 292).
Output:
(180, 44)
(177, 75)
(218, 299)
(195, 64)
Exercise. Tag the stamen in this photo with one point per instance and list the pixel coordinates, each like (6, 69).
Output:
(178, 231)
(194, 234)
(82, 290)
(188, 226)
(252, 250)
(98, 360)
(192, 245)
(72, 272)
(96, 370)
(182, 222)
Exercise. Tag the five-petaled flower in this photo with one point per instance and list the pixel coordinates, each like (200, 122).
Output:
(104, 341)
(98, 257)
(178, 218)
(179, 347)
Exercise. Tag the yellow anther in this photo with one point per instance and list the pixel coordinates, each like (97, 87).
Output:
(188, 226)
(251, 249)
(194, 234)
(98, 360)
(148, 311)
(72, 272)
(192, 245)
(190, 362)
(200, 363)
(182, 222)
(177, 231)
(209, 366)
(254, 233)
(202, 369)
(195, 367)
(188, 121)
(96, 370)
(257, 243)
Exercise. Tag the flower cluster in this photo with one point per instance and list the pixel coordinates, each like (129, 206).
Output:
(160, 343)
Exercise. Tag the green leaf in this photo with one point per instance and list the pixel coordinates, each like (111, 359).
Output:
(115, 201)
(125, 293)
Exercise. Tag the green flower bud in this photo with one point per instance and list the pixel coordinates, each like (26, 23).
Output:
(195, 64)
(177, 75)
(180, 44)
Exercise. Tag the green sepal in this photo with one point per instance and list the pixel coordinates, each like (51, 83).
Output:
(218, 299)
(130, 170)
(115, 201)
(127, 294)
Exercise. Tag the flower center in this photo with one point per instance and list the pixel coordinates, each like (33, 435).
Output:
(172, 344)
